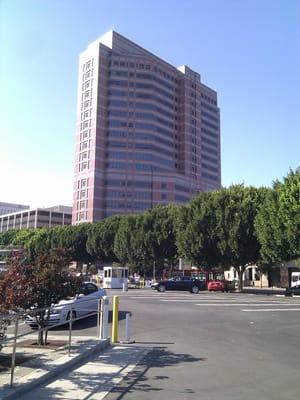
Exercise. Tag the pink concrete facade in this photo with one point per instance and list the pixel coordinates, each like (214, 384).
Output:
(147, 133)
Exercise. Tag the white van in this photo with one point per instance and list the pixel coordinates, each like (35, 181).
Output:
(295, 279)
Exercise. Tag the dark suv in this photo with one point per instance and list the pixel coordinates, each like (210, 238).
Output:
(187, 283)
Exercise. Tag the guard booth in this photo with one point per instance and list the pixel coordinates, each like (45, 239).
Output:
(114, 277)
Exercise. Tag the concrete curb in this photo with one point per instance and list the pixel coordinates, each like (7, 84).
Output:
(22, 388)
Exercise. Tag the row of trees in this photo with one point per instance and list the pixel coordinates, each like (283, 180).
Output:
(234, 226)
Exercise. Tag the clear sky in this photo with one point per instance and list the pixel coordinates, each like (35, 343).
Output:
(248, 50)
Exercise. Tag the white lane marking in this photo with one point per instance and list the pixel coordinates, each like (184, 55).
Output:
(243, 304)
(272, 309)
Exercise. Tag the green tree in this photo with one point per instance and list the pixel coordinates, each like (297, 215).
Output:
(7, 237)
(158, 234)
(236, 238)
(216, 229)
(23, 236)
(278, 221)
(196, 231)
(39, 284)
(101, 236)
(127, 242)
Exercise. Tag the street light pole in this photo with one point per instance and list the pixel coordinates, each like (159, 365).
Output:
(153, 271)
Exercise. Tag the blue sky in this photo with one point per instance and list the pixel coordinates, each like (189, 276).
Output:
(247, 50)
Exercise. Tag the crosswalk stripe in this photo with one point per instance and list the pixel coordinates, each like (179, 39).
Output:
(241, 304)
(272, 309)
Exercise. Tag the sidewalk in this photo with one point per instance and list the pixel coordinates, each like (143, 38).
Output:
(44, 365)
(94, 379)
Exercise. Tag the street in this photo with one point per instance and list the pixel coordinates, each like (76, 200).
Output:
(208, 345)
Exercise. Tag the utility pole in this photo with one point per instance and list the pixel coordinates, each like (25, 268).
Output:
(153, 277)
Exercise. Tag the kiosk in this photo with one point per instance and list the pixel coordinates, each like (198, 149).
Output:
(114, 277)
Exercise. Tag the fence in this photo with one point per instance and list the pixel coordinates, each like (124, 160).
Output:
(71, 316)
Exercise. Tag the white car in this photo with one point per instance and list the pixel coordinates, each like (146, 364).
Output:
(83, 304)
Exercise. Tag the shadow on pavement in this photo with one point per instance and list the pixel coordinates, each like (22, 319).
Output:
(93, 382)
(136, 380)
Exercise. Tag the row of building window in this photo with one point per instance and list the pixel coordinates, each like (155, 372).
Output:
(140, 95)
(119, 155)
(140, 85)
(210, 159)
(135, 65)
(134, 195)
(207, 123)
(139, 136)
(135, 166)
(155, 79)
(209, 150)
(206, 115)
(210, 168)
(210, 176)
(210, 133)
(209, 108)
(141, 75)
(142, 106)
(139, 125)
(134, 205)
(128, 183)
(140, 146)
(140, 115)
(209, 141)
(209, 99)
(181, 199)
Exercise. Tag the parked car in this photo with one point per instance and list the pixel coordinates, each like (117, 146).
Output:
(291, 291)
(187, 283)
(220, 286)
(85, 302)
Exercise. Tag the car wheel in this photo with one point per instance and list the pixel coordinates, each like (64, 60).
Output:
(195, 289)
(161, 288)
(73, 316)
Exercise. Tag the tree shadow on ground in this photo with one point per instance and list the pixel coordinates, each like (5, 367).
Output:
(136, 381)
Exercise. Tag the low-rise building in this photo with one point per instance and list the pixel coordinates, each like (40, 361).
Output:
(7, 208)
(36, 218)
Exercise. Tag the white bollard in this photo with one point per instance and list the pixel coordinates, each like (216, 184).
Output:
(104, 318)
(127, 339)
(125, 286)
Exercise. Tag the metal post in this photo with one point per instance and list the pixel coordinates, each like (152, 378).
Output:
(70, 328)
(98, 319)
(105, 317)
(127, 339)
(13, 356)
(115, 321)
(153, 271)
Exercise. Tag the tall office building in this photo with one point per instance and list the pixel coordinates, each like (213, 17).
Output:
(147, 133)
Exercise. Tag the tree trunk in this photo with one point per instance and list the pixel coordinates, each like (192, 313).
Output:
(240, 271)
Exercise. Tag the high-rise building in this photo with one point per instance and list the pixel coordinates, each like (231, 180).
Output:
(147, 133)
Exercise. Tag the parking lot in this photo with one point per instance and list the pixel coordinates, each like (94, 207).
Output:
(208, 345)
(213, 346)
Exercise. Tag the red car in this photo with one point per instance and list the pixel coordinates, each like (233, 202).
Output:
(217, 286)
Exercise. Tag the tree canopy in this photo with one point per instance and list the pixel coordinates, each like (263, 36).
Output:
(278, 221)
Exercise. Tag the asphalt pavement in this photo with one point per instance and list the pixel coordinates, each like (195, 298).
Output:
(208, 345)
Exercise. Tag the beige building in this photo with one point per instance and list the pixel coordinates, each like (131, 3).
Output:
(36, 218)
